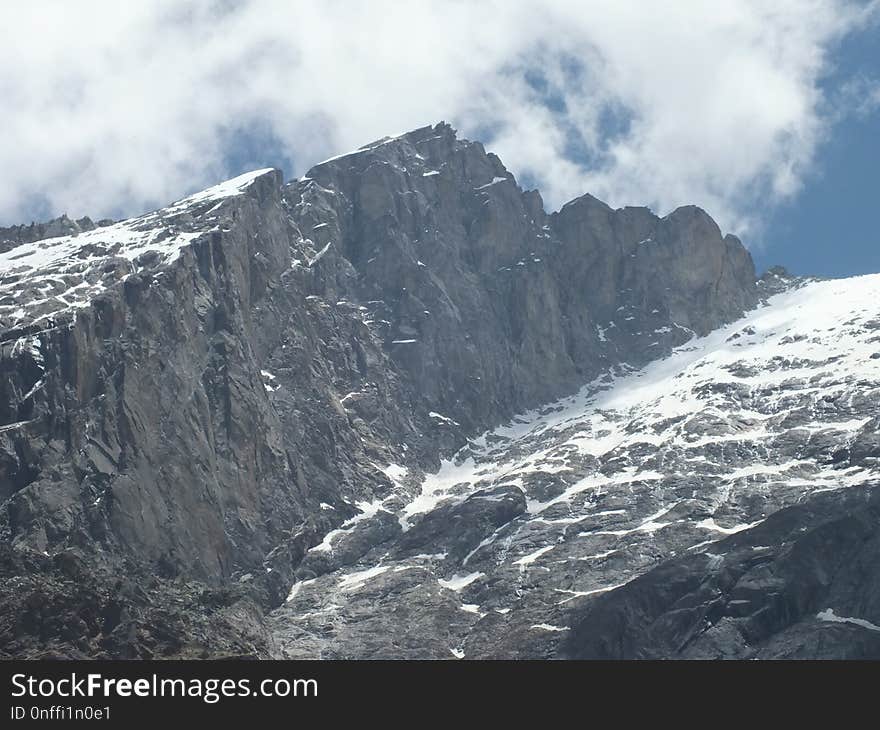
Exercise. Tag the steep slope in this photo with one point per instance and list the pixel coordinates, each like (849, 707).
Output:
(546, 524)
(139, 445)
(492, 306)
(203, 405)
(801, 585)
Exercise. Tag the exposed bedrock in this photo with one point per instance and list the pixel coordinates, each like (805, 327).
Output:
(190, 401)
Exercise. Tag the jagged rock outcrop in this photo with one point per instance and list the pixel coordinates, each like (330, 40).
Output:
(489, 304)
(798, 586)
(12, 236)
(243, 392)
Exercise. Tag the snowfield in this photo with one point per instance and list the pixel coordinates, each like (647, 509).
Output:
(641, 465)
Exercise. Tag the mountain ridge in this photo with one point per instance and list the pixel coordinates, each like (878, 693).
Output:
(242, 392)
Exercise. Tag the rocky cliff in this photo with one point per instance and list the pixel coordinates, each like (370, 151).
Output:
(235, 400)
(488, 304)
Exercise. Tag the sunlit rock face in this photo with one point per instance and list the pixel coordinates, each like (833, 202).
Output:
(396, 409)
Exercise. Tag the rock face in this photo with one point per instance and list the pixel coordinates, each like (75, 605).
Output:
(236, 399)
(766, 593)
(488, 304)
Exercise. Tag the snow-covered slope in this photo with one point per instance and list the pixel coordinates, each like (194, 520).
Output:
(40, 279)
(640, 466)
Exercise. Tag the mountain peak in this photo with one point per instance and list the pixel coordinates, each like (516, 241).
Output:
(395, 145)
(399, 383)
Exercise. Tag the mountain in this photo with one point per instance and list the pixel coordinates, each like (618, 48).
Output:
(395, 409)
(710, 504)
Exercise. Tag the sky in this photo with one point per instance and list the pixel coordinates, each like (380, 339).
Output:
(767, 115)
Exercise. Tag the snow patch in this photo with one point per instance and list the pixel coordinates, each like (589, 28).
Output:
(829, 616)
(527, 560)
(458, 582)
(354, 581)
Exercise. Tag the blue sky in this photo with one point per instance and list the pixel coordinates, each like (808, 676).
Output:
(831, 228)
(765, 114)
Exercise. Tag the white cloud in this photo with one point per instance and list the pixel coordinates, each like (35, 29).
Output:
(113, 107)
(859, 97)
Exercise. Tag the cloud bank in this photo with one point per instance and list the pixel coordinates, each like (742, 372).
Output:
(112, 108)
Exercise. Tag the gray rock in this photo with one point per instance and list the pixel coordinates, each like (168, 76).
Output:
(803, 584)
(239, 416)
